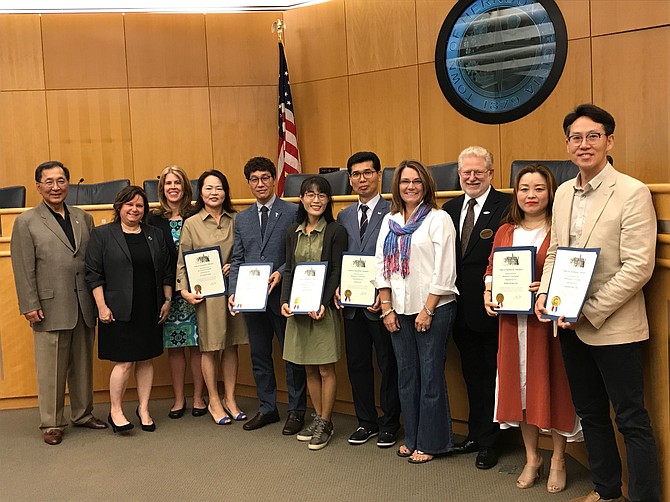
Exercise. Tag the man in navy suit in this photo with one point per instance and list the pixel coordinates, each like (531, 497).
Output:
(260, 236)
(363, 329)
(475, 333)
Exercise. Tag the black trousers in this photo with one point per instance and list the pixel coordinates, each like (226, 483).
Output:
(361, 335)
(599, 375)
(479, 353)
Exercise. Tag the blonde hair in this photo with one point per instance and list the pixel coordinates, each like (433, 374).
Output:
(479, 152)
(185, 208)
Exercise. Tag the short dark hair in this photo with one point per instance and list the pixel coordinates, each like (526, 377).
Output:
(259, 164)
(322, 186)
(126, 194)
(50, 164)
(227, 200)
(593, 112)
(359, 157)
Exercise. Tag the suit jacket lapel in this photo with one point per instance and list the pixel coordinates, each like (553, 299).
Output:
(117, 234)
(273, 217)
(53, 225)
(600, 198)
(373, 223)
(490, 206)
(76, 229)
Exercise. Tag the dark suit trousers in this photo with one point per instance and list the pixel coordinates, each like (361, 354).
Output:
(60, 357)
(599, 375)
(479, 353)
(262, 327)
(361, 334)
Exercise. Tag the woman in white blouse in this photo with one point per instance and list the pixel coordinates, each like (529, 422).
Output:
(416, 278)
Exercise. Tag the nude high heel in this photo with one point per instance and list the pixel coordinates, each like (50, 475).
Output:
(529, 475)
(557, 477)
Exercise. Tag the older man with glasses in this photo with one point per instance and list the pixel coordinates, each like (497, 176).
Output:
(476, 215)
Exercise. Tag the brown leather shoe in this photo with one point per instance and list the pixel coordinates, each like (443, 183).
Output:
(93, 423)
(53, 436)
(595, 497)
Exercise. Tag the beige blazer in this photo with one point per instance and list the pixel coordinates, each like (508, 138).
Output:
(622, 223)
(50, 274)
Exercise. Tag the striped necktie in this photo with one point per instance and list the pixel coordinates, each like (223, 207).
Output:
(364, 220)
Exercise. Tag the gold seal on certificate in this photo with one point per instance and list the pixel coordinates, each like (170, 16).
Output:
(307, 289)
(356, 282)
(513, 271)
(251, 293)
(570, 281)
(204, 271)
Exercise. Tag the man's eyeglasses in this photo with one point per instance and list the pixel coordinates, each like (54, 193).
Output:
(477, 174)
(60, 182)
(591, 138)
(367, 174)
(313, 195)
(255, 180)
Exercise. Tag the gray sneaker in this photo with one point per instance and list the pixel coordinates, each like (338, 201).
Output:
(322, 434)
(307, 432)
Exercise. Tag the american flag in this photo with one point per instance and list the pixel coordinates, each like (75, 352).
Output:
(289, 155)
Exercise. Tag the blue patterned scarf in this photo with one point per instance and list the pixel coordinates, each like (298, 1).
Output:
(398, 242)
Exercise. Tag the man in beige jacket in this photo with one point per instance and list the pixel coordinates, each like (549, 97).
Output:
(48, 247)
(602, 351)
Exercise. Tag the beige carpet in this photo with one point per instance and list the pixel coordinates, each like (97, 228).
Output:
(194, 459)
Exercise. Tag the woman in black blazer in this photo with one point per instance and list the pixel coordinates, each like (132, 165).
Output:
(128, 271)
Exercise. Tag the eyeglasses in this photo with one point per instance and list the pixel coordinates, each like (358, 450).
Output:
(477, 174)
(591, 138)
(367, 174)
(313, 195)
(60, 182)
(405, 183)
(212, 189)
(255, 180)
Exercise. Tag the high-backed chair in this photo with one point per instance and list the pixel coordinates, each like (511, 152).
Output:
(151, 189)
(339, 183)
(95, 193)
(14, 196)
(563, 170)
(387, 178)
(446, 176)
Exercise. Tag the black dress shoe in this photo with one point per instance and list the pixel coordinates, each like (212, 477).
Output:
(261, 420)
(467, 446)
(199, 412)
(294, 423)
(145, 427)
(361, 435)
(175, 414)
(486, 458)
(93, 423)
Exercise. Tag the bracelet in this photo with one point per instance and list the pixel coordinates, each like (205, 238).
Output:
(384, 314)
(168, 298)
(428, 311)
(384, 302)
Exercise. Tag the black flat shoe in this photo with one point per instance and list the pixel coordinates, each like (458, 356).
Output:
(148, 428)
(199, 412)
(119, 428)
(174, 414)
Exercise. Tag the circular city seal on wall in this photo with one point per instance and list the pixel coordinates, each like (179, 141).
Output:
(498, 60)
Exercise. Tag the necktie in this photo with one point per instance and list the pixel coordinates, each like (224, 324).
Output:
(264, 220)
(468, 225)
(364, 220)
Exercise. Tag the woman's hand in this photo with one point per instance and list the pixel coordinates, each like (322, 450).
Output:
(376, 306)
(489, 304)
(422, 321)
(165, 310)
(192, 298)
(318, 315)
(105, 315)
(337, 298)
(226, 269)
(286, 310)
(391, 322)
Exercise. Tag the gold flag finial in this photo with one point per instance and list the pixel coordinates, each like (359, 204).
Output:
(279, 27)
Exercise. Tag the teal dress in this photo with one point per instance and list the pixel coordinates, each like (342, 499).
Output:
(308, 341)
(181, 327)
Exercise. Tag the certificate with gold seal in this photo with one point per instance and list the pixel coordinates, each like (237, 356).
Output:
(570, 281)
(513, 271)
(204, 271)
(251, 293)
(308, 281)
(356, 286)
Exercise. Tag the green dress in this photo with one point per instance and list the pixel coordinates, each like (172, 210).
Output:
(308, 341)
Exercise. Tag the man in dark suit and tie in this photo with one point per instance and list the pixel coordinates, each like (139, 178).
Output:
(48, 248)
(363, 329)
(476, 215)
(260, 236)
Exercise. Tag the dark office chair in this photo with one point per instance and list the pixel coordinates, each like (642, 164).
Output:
(339, 183)
(14, 196)
(446, 176)
(95, 193)
(387, 178)
(563, 170)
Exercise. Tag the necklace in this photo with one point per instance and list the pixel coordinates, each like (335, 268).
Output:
(525, 227)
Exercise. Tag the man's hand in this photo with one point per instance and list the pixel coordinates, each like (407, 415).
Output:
(273, 280)
(34, 316)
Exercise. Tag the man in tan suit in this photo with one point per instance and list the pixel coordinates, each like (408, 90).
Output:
(602, 351)
(48, 247)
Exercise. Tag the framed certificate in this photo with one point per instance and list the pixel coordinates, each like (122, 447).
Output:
(251, 293)
(308, 282)
(570, 281)
(203, 271)
(513, 271)
(356, 286)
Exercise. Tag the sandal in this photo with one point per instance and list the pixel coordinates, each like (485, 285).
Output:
(421, 459)
(557, 478)
(404, 452)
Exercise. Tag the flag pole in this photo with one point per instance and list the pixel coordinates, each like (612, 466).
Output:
(279, 27)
